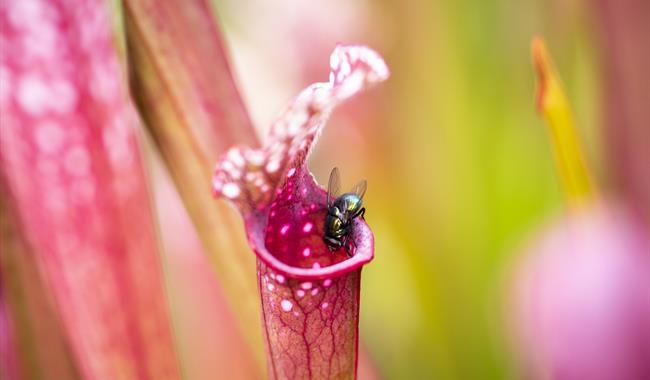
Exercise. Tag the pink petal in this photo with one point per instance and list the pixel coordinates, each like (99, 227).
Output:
(310, 302)
(582, 299)
(73, 173)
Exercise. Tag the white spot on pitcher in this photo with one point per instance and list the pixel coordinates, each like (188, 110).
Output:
(286, 305)
(230, 190)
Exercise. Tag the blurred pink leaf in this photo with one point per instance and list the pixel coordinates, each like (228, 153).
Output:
(73, 174)
(625, 28)
(32, 327)
(8, 345)
(188, 98)
(210, 346)
(310, 296)
(178, 42)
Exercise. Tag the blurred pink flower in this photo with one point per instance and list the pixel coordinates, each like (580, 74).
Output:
(582, 298)
(581, 291)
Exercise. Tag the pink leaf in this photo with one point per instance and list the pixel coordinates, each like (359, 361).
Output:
(187, 96)
(625, 39)
(34, 329)
(8, 347)
(310, 296)
(76, 186)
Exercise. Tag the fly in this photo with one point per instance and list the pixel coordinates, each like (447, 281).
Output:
(341, 211)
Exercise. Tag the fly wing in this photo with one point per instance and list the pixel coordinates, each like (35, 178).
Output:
(360, 188)
(333, 187)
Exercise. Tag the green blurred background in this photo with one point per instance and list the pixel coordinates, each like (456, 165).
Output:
(458, 162)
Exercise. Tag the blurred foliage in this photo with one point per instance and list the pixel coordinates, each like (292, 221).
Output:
(471, 173)
(458, 161)
(458, 164)
(481, 176)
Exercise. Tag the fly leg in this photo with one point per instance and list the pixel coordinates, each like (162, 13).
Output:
(347, 242)
(332, 244)
(349, 247)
